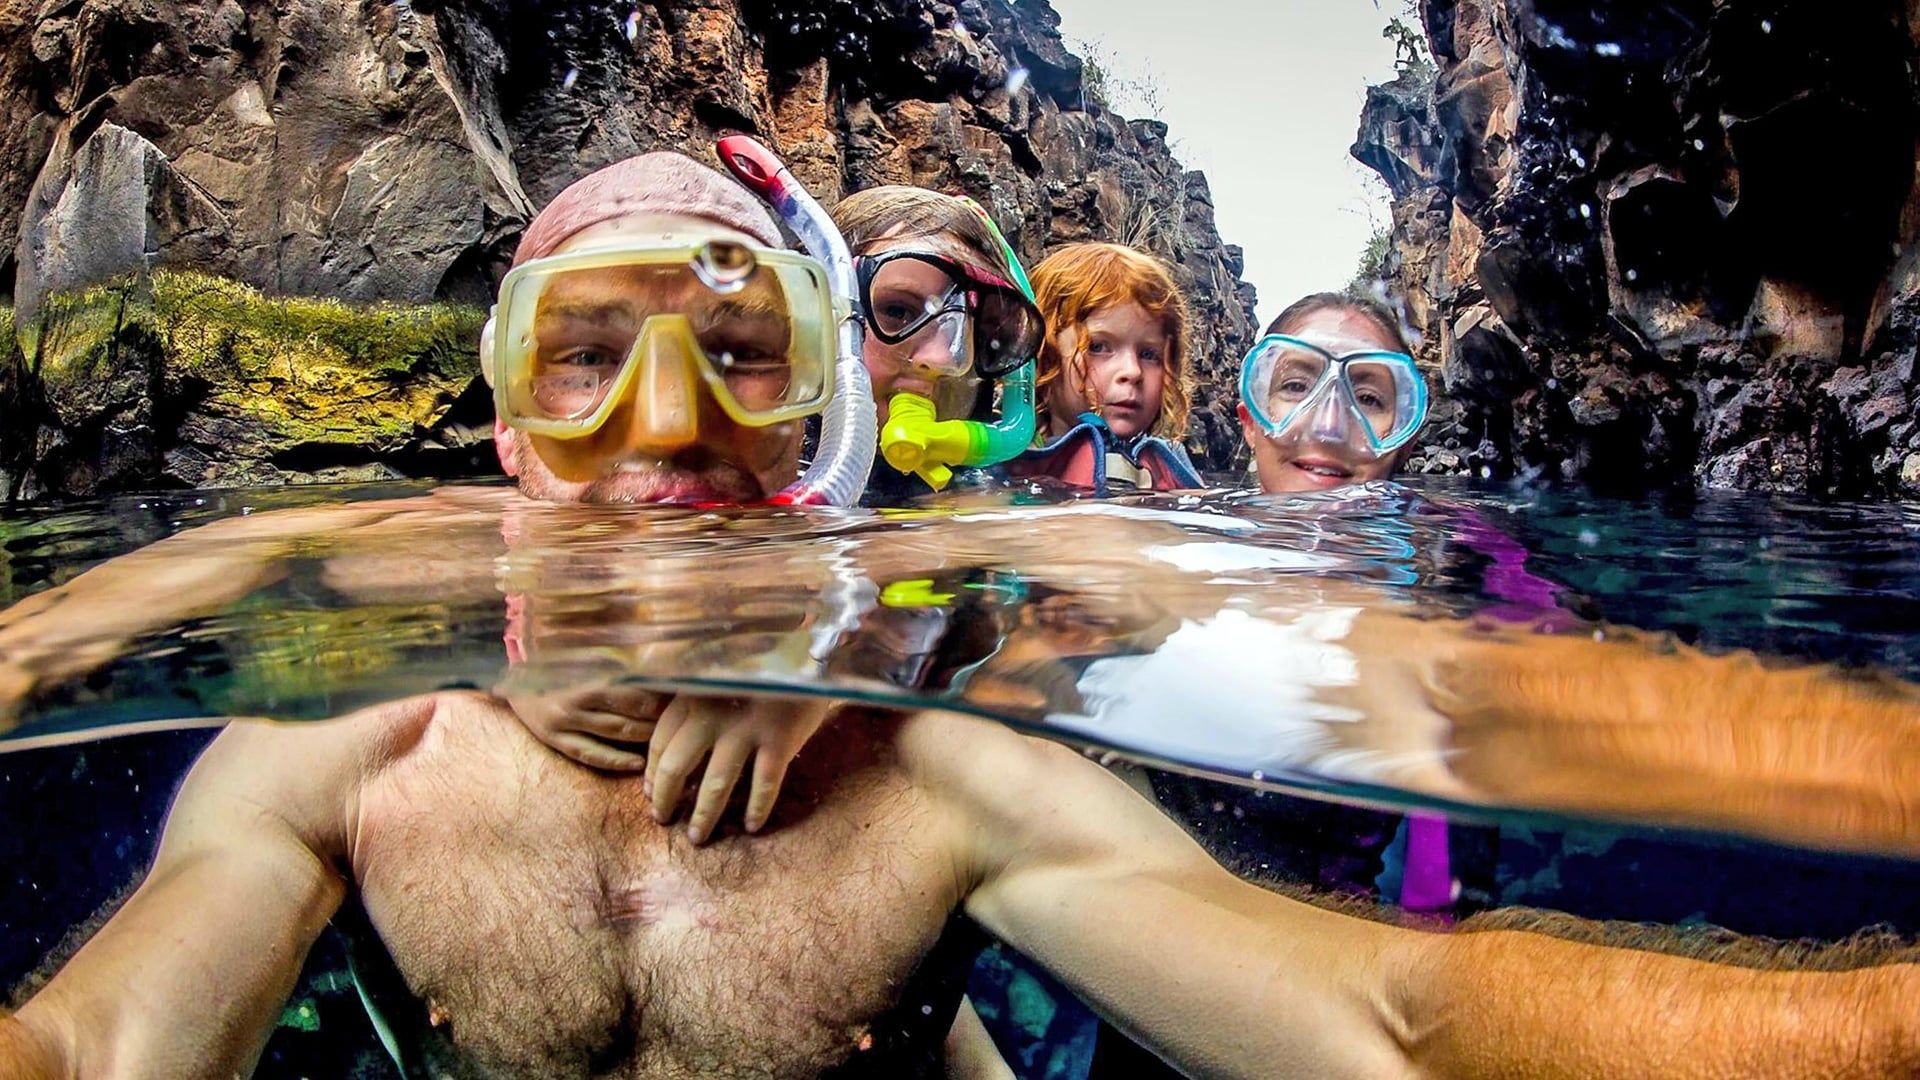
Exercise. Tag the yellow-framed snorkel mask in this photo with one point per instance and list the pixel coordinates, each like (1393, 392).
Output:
(576, 336)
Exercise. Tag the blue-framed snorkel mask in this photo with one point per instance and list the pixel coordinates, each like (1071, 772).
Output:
(1333, 393)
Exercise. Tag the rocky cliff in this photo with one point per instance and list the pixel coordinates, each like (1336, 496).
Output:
(1663, 242)
(390, 152)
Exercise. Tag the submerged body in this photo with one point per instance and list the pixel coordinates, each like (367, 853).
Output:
(489, 865)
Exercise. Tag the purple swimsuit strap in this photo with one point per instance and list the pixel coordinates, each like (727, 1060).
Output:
(1427, 884)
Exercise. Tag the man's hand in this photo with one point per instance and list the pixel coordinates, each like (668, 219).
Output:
(601, 728)
(725, 733)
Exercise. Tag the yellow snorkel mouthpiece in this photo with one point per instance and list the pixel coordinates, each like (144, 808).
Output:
(915, 441)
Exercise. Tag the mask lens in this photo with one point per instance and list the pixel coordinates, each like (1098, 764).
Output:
(749, 349)
(1010, 332)
(1293, 372)
(1382, 394)
(763, 327)
(951, 351)
(906, 294)
(582, 332)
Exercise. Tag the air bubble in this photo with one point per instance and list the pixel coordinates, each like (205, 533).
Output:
(1258, 776)
(1586, 211)
(1766, 26)
(1633, 275)
(573, 76)
(1608, 48)
(1589, 538)
(1699, 144)
(633, 26)
(1486, 472)
(1017, 80)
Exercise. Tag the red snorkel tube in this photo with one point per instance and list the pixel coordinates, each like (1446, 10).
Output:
(847, 428)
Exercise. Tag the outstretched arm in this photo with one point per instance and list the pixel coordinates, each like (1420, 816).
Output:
(1638, 727)
(188, 977)
(1228, 979)
(90, 620)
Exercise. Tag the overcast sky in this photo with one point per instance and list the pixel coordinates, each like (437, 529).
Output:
(1265, 98)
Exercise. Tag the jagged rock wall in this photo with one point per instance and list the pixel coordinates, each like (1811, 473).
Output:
(1663, 243)
(386, 150)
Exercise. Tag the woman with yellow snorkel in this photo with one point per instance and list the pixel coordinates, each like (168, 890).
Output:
(948, 313)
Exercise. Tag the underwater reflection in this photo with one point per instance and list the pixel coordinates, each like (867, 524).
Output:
(1276, 642)
(751, 879)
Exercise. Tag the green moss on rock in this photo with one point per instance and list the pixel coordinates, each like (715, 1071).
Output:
(177, 377)
(315, 370)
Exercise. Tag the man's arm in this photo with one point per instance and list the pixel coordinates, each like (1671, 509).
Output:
(87, 622)
(1228, 979)
(1636, 727)
(1509, 1003)
(1069, 865)
(188, 977)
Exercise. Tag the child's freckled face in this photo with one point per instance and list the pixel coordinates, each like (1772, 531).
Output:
(1115, 365)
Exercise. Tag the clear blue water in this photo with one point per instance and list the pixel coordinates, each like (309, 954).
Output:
(1795, 580)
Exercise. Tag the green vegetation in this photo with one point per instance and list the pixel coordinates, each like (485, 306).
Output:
(1373, 264)
(289, 370)
(214, 321)
(1408, 34)
(1134, 98)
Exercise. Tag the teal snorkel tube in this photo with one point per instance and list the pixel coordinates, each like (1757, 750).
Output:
(915, 441)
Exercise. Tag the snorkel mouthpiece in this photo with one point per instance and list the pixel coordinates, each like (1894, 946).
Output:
(845, 454)
(915, 441)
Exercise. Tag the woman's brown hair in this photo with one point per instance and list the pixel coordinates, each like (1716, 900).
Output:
(898, 212)
(1371, 310)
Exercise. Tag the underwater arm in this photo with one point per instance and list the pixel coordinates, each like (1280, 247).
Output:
(87, 622)
(189, 976)
(1513, 1003)
(1640, 727)
(970, 1051)
(1228, 979)
(1073, 868)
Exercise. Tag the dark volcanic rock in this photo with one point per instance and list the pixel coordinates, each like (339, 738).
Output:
(392, 151)
(1666, 243)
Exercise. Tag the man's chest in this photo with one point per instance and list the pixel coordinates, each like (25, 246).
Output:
(551, 927)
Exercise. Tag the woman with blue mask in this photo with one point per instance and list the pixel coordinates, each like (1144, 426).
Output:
(1330, 396)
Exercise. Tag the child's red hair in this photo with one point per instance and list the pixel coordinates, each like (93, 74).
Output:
(1080, 280)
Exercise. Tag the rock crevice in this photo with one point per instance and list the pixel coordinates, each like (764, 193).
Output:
(1663, 244)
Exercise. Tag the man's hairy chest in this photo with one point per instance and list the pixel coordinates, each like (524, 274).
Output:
(551, 928)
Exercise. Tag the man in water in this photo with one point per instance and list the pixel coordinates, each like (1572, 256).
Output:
(546, 924)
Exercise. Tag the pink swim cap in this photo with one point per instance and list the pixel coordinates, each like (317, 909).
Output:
(660, 182)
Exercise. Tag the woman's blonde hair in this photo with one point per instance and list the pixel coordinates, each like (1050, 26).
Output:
(895, 211)
(1080, 280)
